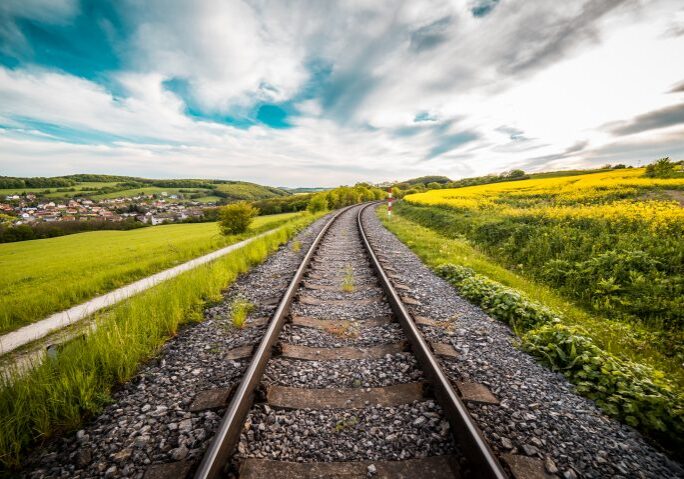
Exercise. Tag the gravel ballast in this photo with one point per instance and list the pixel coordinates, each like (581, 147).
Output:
(371, 433)
(539, 414)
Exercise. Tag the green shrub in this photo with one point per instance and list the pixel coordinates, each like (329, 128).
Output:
(501, 302)
(634, 393)
(236, 217)
(319, 202)
(662, 168)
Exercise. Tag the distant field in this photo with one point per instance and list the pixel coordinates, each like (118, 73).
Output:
(612, 240)
(43, 276)
(229, 191)
(604, 250)
(148, 190)
(208, 199)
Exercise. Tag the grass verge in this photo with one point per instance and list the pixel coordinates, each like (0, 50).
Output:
(43, 276)
(554, 331)
(629, 341)
(56, 394)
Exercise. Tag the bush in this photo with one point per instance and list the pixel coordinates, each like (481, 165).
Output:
(632, 392)
(318, 203)
(662, 168)
(236, 217)
(501, 302)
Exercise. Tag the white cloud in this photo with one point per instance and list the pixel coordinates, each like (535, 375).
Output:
(551, 76)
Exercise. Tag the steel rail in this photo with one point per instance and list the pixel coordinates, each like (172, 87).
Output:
(480, 458)
(228, 433)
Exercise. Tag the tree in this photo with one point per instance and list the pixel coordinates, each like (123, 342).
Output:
(318, 203)
(236, 217)
(662, 168)
(6, 220)
(513, 174)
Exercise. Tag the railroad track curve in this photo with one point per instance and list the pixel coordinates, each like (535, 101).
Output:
(343, 384)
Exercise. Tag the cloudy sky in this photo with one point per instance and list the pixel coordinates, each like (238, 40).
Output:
(303, 93)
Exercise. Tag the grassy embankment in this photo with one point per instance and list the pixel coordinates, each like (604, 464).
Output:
(55, 395)
(48, 275)
(603, 252)
(126, 188)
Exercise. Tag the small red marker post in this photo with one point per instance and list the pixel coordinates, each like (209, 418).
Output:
(389, 202)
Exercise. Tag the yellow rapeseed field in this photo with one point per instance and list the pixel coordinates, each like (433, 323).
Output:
(617, 196)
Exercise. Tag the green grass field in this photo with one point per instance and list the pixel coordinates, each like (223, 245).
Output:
(234, 191)
(48, 275)
(55, 395)
(148, 190)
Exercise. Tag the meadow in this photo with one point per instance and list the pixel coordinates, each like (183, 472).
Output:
(612, 241)
(48, 275)
(56, 394)
(99, 187)
(587, 269)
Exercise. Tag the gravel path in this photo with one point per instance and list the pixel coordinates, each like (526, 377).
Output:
(539, 414)
(149, 421)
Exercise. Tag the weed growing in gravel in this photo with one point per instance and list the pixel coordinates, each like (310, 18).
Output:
(296, 246)
(56, 394)
(346, 423)
(348, 280)
(349, 330)
(240, 309)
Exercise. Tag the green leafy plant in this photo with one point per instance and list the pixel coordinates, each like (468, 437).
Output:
(239, 311)
(236, 217)
(632, 392)
(348, 280)
(501, 302)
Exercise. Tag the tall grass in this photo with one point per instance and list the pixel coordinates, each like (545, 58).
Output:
(56, 394)
(40, 277)
(631, 341)
(607, 360)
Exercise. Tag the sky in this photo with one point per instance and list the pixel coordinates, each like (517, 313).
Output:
(323, 93)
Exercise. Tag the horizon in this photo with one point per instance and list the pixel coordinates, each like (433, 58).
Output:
(306, 95)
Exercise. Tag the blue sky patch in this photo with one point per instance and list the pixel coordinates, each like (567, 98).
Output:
(273, 116)
(451, 142)
(83, 47)
(482, 8)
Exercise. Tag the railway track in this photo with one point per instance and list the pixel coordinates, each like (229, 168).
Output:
(343, 384)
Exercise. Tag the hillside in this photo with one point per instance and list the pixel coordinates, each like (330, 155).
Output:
(108, 186)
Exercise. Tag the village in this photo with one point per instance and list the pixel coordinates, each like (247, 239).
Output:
(149, 209)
